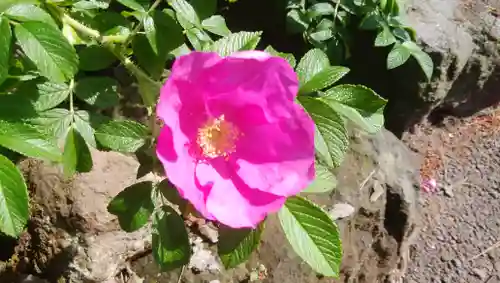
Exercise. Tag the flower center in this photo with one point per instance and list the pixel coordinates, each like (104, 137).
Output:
(217, 137)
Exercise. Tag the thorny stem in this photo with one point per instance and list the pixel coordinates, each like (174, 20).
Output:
(108, 42)
(141, 23)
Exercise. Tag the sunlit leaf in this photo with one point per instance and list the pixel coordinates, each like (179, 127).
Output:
(312, 234)
(47, 47)
(14, 209)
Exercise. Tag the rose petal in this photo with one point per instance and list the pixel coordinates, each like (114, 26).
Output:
(233, 203)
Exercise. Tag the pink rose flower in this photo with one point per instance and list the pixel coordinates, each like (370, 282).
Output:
(429, 185)
(234, 141)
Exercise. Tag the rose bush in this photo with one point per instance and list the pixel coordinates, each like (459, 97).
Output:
(245, 133)
(235, 142)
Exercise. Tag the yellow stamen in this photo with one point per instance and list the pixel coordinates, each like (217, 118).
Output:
(218, 138)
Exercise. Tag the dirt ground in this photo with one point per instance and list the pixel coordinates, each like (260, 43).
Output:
(461, 220)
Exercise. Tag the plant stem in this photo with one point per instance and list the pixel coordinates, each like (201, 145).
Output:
(80, 27)
(71, 88)
(336, 12)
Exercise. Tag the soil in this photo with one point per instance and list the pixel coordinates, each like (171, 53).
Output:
(459, 239)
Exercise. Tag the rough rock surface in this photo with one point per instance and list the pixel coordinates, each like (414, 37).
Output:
(71, 234)
(462, 38)
(376, 236)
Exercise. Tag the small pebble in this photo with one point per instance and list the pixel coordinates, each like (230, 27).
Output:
(456, 262)
(480, 273)
(341, 210)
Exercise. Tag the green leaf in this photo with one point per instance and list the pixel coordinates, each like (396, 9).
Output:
(398, 56)
(181, 50)
(28, 141)
(123, 136)
(170, 192)
(423, 59)
(296, 21)
(44, 94)
(90, 5)
(54, 122)
(150, 30)
(171, 248)
(371, 21)
(324, 79)
(320, 9)
(133, 206)
(101, 92)
(331, 141)
(312, 234)
(6, 4)
(86, 122)
(132, 4)
(313, 62)
(287, 56)
(111, 23)
(192, 37)
(384, 38)
(216, 25)
(76, 156)
(402, 34)
(5, 44)
(359, 104)
(147, 59)
(95, 57)
(14, 207)
(243, 40)
(46, 46)
(321, 35)
(204, 8)
(148, 89)
(324, 180)
(236, 245)
(185, 11)
(26, 12)
(356, 96)
(170, 38)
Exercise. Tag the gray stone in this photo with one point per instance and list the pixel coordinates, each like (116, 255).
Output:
(203, 259)
(463, 44)
(480, 273)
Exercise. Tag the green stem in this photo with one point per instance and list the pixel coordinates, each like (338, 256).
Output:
(80, 27)
(141, 23)
(336, 12)
(71, 88)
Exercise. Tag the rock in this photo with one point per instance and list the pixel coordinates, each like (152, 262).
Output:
(72, 223)
(462, 40)
(341, 210)
(203, 259)
(210, 232)
(463, 44)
